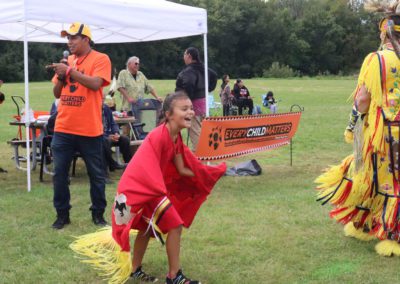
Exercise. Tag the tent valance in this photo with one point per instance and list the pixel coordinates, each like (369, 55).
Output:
(111, 21)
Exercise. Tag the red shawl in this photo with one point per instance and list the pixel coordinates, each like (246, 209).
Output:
(151, 174)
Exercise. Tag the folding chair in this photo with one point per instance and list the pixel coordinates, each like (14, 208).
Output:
(233, 108)
(148, 117)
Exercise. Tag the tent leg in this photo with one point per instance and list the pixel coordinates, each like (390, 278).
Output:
(206, 73)
(27, 115)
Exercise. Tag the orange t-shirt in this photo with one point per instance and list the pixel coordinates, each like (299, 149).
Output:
(80, 108)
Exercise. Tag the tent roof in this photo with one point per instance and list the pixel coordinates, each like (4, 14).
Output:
(111, 21)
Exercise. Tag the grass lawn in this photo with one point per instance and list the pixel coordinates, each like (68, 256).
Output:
(264, 229)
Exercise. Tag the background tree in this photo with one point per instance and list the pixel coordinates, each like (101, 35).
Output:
(245, 37)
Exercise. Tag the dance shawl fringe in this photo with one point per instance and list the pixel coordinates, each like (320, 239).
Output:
(355, 193)
(102, 252)
(388, 248)
(351, 231)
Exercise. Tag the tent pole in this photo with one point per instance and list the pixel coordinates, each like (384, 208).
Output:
(206, 75)
(206, 72)
(26, 113)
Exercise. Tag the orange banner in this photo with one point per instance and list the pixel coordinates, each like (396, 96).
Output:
(232, 136)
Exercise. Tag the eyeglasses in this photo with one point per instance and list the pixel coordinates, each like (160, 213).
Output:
(137, 63)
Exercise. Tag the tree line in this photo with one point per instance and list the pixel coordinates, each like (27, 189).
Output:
(246, 38)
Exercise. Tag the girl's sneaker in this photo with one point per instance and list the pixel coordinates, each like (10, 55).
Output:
(143, 277)
(181, 279)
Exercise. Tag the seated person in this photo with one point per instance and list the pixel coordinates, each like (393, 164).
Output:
(54, 106)
(53, 116)
(270, 102)
(110, 101)
(111, 137)
(242, 97)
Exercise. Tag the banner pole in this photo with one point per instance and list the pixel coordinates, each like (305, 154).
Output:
(291, 139)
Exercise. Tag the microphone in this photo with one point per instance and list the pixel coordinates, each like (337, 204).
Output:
(65, 57)
(65, 54)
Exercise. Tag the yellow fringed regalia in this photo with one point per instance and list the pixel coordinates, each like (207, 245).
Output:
(368, 195)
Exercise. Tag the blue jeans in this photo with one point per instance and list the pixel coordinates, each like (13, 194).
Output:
(64, 146)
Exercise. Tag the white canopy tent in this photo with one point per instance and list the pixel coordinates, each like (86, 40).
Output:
(111, 21)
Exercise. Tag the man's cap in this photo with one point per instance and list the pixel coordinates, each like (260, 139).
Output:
(77, 29)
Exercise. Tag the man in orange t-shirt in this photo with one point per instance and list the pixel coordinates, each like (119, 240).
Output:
(79, 84)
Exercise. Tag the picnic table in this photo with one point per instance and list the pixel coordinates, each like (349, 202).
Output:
(130, 120)
(32, 140)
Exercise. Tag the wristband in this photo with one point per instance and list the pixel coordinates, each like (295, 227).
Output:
(68, 71)
(354, 116)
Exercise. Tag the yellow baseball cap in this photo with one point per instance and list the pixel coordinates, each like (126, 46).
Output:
(77, 29)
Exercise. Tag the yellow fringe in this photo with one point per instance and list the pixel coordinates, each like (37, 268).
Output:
(330, 180)
(332, 177)
(388, 248)
(104, 254)
(351, 231)
(344, 213)
(372, 80)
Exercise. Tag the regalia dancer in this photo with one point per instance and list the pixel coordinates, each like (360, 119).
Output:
(365, 187)
(160, 192)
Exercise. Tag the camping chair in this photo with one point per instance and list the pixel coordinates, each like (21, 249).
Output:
(148, 118)
(233, 108)
(212, 104)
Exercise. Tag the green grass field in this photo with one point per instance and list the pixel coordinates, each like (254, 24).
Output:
(264, 229)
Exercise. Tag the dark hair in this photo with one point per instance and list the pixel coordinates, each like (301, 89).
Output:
(2, 97)
(194, 53)
(270, 94)
(223, 81)
(396, 21)
(238, 81)
(168, 103)
(91, 43)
